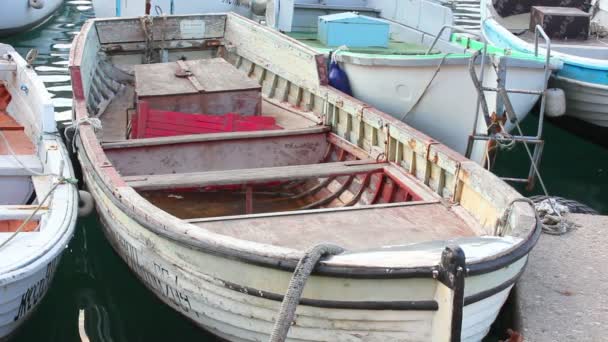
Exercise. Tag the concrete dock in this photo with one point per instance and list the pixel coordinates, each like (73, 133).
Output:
(563, 295)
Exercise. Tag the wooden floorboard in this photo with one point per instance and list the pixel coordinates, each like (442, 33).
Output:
(371, 227)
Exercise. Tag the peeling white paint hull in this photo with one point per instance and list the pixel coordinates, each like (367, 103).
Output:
(194, 285)
(17, 15)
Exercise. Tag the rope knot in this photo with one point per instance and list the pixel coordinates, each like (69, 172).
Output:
(75, 126)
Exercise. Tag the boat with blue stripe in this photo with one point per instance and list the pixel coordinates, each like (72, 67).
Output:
(584, 75)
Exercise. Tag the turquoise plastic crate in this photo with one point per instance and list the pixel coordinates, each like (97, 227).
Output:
(353, 30)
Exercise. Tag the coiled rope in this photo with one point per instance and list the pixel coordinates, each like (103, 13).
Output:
(296, 286)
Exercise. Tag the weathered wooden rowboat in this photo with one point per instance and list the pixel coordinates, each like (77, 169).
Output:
(37, 205)
(21, 15)
(214, 224)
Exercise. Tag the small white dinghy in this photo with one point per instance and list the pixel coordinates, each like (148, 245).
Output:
(22, 15)
(38, 203)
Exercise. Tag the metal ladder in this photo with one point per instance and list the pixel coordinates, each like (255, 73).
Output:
(494, 132)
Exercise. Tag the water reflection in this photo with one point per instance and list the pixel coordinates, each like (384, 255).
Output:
(53, 41)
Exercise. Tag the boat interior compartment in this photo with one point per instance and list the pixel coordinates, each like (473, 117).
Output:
(16, 181)
(269, 150)
(243, 173)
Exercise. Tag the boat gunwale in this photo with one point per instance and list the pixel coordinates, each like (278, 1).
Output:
(273, 256)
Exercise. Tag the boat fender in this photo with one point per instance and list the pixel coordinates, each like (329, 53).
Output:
(556, 102)
(337, 77)
(37, 4)
(86, 203)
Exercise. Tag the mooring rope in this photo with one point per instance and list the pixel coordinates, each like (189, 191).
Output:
(558, 224)
(428, 85)
(75, 126)
(296, 286)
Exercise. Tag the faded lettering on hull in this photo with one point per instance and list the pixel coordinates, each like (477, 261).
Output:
(34, 294)
(159, 279)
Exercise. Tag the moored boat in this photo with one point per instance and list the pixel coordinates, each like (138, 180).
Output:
(583, 77)
(22, 15)
(212, 212)
(426, 59)
(38, 201)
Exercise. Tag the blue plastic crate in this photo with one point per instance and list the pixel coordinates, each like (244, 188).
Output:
(353, 30)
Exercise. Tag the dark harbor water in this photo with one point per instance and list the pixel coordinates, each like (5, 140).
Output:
(92, 282)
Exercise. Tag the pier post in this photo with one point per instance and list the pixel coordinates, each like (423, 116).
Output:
(447, 324)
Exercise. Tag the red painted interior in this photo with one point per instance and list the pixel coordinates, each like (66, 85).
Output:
(12, 130)
(153, 123)
(10, 226)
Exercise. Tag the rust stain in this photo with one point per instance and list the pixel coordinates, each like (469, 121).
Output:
(412, 143)
(514, 336)
(566, 293)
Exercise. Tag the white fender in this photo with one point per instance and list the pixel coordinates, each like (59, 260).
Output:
(556, 103)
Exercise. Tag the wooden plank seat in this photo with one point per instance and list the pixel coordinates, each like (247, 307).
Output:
(12, 216)
(10, 167)
(20, 212)
(252, 176)
(195, 138)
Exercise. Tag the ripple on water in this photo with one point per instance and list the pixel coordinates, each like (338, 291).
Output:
(53, 41)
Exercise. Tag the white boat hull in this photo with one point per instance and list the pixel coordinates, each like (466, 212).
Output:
(20, 297)
(28, 260)
(585, 101)
(18, 15)
(447, 110)
(223, 296)
(584, 67)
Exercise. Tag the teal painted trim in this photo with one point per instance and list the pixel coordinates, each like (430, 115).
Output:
(595, 71)
(584, 74)
(118, 8)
